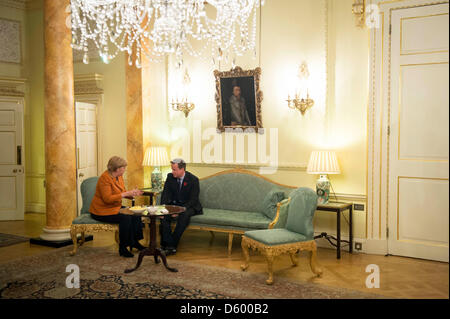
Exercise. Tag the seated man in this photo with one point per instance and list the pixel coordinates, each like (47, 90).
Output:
(181, 188)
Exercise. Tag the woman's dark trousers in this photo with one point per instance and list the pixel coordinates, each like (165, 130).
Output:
(130, 228)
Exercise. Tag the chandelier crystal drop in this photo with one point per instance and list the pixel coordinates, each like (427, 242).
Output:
(160, 27)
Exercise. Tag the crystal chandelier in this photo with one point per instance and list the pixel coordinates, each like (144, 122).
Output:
(225, 28)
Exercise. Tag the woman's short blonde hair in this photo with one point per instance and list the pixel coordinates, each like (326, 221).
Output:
(116, 162)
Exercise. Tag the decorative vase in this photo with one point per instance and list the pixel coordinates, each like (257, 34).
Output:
(156, 179)
(323, 189)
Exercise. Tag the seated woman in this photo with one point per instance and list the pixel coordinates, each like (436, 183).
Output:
(107, 202)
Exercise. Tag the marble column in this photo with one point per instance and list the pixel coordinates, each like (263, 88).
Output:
(60, 160)
(135, 152)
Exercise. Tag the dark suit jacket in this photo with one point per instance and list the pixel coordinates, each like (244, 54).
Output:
(187, 196)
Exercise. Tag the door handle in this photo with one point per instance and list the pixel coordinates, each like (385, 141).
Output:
(19, 154)
(14, 170)
(80, 175)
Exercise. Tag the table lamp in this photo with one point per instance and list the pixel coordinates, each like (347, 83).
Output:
(323, 163)
(156, 156)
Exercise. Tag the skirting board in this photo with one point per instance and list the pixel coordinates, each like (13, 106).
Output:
(35, 208)
(369, 246)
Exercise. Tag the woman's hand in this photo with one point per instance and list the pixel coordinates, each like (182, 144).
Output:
(132, 193)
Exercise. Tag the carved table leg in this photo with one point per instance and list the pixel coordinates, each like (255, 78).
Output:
(244, 245)
(159, 252)
(145, 252)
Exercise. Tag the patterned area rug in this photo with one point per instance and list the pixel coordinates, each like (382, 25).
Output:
(102, 276)
(7, 239)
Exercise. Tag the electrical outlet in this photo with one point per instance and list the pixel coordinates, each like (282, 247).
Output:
(358, 206)
(358, 246)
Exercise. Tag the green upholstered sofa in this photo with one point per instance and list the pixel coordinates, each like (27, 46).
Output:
(235, 201)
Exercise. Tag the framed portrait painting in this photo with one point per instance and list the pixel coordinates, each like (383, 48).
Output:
(238, 99)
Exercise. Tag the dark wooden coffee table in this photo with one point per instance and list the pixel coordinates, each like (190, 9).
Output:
(152, 250)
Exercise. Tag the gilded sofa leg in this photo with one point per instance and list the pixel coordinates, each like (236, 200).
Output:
(313, 261)
(269, 259)
(293, 259)
(244, 245)
(116, 236)
(73, 234)
(212, 237)
(230, 243)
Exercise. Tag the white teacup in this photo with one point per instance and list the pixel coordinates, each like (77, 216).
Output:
(152, 209)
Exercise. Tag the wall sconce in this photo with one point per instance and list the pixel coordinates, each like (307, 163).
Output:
(299, 101)
(182, 104)
(359, 10)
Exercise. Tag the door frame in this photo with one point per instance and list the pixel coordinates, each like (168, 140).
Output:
(378, 123)
(89, 89)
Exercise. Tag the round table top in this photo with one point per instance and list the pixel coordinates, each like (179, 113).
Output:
(173, 209)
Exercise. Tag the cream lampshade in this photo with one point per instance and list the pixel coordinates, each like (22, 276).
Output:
(156, 156)
(323, 163)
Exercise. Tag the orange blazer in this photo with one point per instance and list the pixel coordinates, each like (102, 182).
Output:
(107, 199)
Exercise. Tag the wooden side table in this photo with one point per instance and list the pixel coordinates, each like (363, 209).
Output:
(338, 207)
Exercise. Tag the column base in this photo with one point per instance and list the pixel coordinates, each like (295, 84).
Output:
(56, 244)
(55, 238)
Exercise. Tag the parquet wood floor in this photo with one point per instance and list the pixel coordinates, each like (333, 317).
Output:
(400, 277)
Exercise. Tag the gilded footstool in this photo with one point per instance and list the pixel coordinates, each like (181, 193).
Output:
(296, 235)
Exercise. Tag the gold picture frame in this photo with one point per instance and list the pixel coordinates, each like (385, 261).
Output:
(238, 98)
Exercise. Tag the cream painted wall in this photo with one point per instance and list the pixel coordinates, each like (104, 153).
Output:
(291, 32)
(112, 116)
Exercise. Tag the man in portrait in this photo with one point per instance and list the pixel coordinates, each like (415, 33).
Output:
(238, 114)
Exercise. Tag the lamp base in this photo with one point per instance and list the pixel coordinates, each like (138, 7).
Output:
(156, 179)
(323, 189)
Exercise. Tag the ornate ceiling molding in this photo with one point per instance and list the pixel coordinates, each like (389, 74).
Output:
(88, 84)
(22, 4)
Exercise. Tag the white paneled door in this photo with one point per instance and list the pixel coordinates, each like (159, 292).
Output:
(418, 203)
(12, 193)
(86, 128)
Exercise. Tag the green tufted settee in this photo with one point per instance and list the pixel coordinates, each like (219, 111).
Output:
(236, 201)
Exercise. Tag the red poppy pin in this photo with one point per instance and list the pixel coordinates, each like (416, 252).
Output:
(184, 184)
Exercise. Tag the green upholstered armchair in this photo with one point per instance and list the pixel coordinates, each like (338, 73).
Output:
(85, 223)
(297, 233)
